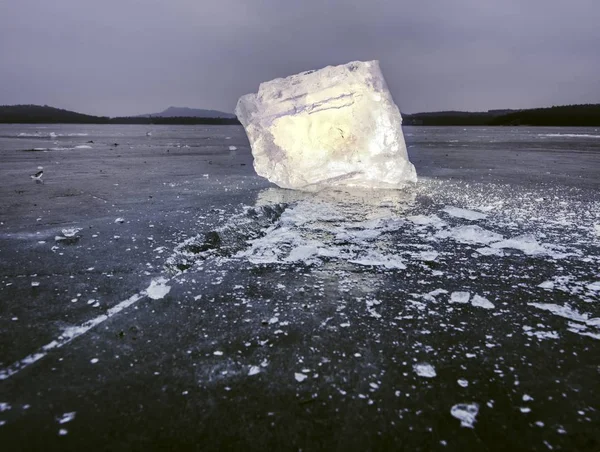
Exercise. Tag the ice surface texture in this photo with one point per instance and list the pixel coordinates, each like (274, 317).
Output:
(335, 126)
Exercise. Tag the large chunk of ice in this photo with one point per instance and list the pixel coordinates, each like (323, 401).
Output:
(335, 126)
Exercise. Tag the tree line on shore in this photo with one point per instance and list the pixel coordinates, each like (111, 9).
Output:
(587, 115)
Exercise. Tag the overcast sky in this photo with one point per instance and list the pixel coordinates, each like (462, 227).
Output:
(120, 57)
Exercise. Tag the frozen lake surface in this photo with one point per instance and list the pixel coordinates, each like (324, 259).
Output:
(155, 292)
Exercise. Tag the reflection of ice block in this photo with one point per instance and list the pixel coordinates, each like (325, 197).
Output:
(334, 126)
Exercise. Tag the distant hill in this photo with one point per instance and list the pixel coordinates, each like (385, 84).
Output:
(44, 114)
(36, 114)
(179, 112)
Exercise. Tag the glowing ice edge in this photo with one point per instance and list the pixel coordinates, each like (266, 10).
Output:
(334, 126)
(156, 290)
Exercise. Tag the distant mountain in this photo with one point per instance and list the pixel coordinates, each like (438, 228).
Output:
(184, 112)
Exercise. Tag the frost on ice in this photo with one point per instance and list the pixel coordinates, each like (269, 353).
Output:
(335, 126)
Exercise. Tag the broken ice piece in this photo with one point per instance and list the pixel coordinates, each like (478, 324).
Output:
(465, 413)
(481, 302)
(67, 417)
(300, 377)
(460, 297)
(334, 126)
(158, 288)
(424, 370)
(70, 232)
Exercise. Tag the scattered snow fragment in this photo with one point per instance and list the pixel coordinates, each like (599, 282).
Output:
(465, 413)
(158, 288)
(527, 398)
(460, 297)
(482, 302)
(67, 417)
(300, 377)
(253, 370)
(525, 409)
(424, 370)
(218, 353)
(94, 360)
(232, 148)
(63, 431)
(4, 407)
(35, 283)
(463, 213)
(120, 220)
(344, 325)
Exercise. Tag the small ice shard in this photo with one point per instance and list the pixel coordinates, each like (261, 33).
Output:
(460, 297)
(548, 285)
(465, 413)
(463, 382)
(470, 235)
(525, 243)
(67, 417)
(300, 377)
(463, 213)
(334, 126)
(158, 288)
(424, 370)
(481, 302)
(70, 232)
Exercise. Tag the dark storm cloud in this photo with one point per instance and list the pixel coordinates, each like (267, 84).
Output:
(134, 56)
